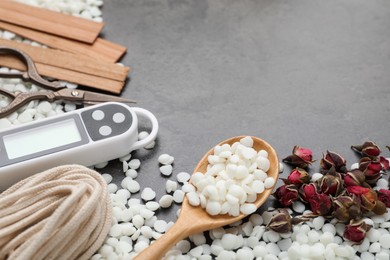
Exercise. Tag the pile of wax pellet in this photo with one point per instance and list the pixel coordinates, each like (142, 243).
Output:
(234, 177)
(36, 110)
(88, 9)
(136, 225)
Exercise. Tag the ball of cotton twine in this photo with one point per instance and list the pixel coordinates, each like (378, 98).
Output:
(61, 213)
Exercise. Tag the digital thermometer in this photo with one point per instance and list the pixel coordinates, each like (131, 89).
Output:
(85, 136)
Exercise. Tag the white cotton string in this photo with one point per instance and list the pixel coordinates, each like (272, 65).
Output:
(62, 213)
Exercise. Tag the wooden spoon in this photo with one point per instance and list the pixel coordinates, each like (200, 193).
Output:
(193, 220)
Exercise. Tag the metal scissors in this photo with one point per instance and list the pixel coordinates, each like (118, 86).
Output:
(57, 92)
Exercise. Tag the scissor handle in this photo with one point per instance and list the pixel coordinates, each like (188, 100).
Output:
(31, 74)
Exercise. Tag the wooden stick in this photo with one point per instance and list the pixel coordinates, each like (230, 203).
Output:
(70, 61)
(100, 49)
(66, 75)
(44, 20)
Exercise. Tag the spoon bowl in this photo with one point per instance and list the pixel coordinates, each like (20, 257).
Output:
(194, 220)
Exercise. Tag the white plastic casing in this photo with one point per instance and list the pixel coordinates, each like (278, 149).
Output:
(97, 134)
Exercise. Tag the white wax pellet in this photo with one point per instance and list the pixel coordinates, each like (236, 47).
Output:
(382, 256)
(100, 165)
(326, 238)
(329, 228)
(256, 219)
(123, 247)
(160, 226)
(123, 193)
(367, 256)
(247, 141)
(165, 159)
(384, 241)
(125, 166)
(213, 208)
(148, 194)
(166, 170)
(133, 186)
(115, 230)
(107, 177)
(188, 187)
(355, 166)
(140, 246)
(298, 206)
(263, 163)
(260, 175)
(26, 116)
(363, 247)
(374, 247)
(260, 251)
(170, 186)
(165, 201)
(152, 205)
(131, 173)
(150, 145)
(178, 196)
(269, 182)
(248, 208)
(106, 250)
(44, 107)
(4, 123)
(316, 176)
(281, 167)
(184, 246)
(146, 213)
(138, 221)
(318, 222)
(313, 236)
(70, 107)
(126, 215)
(196, 252)
(284, 244)
(302, 239)
(183, 177)
(273, 249)
(229, 241)
(134, 164)
(112, 188)
(142, 135)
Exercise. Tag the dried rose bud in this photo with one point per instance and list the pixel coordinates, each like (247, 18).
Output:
(372, 170)
(330, 185)
(369, 149)
(300, 157)
(346, 208)
(281, 222)
(354, 178)
(307, 191)
(356, 231)
(368, 199)
(286, 194)
(320, 204)
(384, 196)
(298, 176)
(384, 162)
(332, 159)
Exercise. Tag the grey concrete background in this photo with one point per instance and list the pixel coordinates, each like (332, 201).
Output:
(305, 72)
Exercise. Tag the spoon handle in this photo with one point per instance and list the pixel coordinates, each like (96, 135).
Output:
(158, 248)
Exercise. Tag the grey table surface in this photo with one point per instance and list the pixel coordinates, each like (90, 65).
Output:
(306, 72)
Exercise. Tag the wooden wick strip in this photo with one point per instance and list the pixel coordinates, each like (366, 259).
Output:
(44, 20)
(105, 84)
(100, 49)
(70, 61)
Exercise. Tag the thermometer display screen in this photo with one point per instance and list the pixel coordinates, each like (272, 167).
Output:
(41, 138)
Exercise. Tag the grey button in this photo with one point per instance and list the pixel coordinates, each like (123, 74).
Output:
(118, 118)
(105, 130)
(98, 115)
